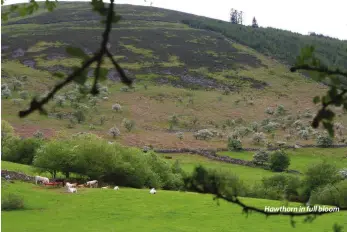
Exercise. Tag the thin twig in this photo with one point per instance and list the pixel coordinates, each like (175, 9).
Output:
(121, 72)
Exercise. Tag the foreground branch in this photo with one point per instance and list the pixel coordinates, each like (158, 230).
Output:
(38, 104)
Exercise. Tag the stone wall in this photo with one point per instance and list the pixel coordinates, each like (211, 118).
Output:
(16, 176)
(212, 154)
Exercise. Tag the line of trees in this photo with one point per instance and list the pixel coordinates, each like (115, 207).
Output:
(236, 17)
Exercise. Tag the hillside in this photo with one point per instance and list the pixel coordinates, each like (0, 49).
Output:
(206, 79)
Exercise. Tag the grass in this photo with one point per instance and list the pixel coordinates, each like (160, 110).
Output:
(300, 159)
(173, 62)
(107, 210)
(18, 168)
(42, 45)
(140, 51)
(249, 175)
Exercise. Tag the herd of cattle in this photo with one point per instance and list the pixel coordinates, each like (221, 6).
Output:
(72, 187)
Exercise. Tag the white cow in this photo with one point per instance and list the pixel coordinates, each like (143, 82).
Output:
(41, 179)
(92, 183)
(153, 191)
(71, 190)
(68, 184)
(106, 187)
(116, 188)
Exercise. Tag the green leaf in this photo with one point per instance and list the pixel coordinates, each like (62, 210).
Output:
(50, 5)
(116, 18)
(22, 11)
(332, 93)
(103, 74)
(4, 16)
(82, 78)
(316, 99)
(76, 52)
(99, 6)
(329, 127)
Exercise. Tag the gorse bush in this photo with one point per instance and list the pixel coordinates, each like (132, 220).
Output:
(279, 161)
(12, 202)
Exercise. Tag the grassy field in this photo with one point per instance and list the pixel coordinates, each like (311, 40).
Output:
(137, 210)
(300, 159)
(247, 174)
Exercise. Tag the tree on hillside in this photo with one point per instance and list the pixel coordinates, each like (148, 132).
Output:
(240, 17)
(254, 23)
(236, 17)
(335, 78)
(233, 16)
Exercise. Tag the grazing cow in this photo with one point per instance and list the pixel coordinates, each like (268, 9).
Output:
(153, 191)
(92, 183)
(106, 187)
(116, 188)
(71, 190)
(42, 179)
(68, 184)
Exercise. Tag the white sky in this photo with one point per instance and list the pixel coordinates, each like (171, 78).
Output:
(303, 16)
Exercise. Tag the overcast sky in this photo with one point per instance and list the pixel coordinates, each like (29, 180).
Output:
(303, 16)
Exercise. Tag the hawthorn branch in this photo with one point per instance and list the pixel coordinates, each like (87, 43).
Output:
(336, 99)
(38, 104)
